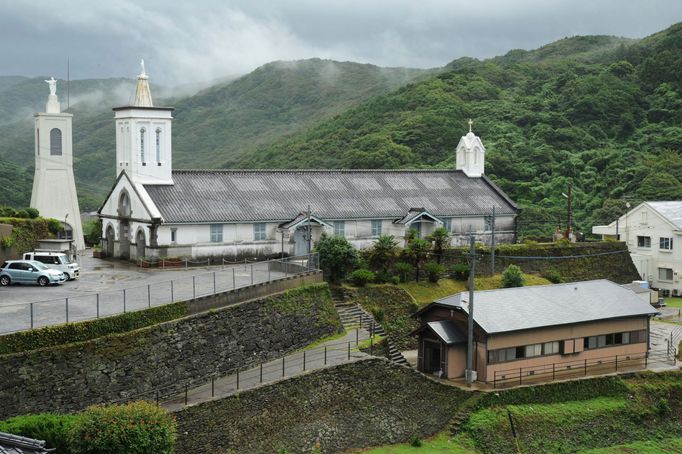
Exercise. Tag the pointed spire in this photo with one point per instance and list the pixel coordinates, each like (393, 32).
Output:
(471, 123)
(143, 95)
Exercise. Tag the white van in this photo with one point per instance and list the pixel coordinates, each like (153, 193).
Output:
(58, 261)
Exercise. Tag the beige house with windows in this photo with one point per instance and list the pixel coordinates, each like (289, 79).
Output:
(155, 211)
(534, 331)
(653, 233)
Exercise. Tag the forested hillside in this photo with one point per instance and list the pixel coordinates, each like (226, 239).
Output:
(211, 126)
(606, 118)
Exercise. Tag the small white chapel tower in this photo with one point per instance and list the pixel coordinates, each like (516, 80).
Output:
(54, 188)
(470, 155)
(143, 137)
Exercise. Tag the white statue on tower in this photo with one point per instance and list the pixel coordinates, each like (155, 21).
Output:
(53, 85)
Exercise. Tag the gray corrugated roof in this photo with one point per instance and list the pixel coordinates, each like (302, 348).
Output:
(448, 331)
(279, 195)
(637, 288)
(514, 309)
(672, 211)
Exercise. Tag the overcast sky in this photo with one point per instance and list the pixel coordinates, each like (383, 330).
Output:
(186, 41)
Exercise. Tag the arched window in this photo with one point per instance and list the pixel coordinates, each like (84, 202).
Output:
(56, 142)
(142, 131)
(158, 144)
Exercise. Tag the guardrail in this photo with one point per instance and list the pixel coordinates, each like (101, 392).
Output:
(572, 369)
(79, 307)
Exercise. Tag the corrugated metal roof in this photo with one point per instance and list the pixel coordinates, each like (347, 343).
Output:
(279, 195)
(513, 309)
(448, 331)
(15, 444)
(672, 211)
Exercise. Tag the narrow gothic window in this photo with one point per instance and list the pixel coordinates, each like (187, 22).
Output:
(142, 131)
(56, 142)
(158, 144)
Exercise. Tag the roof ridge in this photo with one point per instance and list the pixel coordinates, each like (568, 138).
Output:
(526, 287)
(316, 170)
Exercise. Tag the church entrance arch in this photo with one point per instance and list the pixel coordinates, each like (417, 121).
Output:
(140, 240)
(124, 213)
(109, 236)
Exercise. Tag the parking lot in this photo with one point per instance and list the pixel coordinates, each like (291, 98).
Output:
(107, 287)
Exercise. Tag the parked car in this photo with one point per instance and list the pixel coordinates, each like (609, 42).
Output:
(29, 272)
(57, 261)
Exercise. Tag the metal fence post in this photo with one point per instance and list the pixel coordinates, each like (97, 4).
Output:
(172, 298)
(325, 355)
(269, 263)
(157, 397)
(261, 372)
(186, 391)
(31, 315)
(237, 379)
(186, 262)
(357, 336)
(585, 367)
(303, 359)
(286, 267)
(212, 386)
(371, 345)
(616, 363)
(124, 301)
(553, 371)
(214, 283)
(194, 287)
(149, 296)
(520, 377)
(282, 366)
(233, 281)
(349, 350)
(252, 274)
(67, 310)
(97, 305)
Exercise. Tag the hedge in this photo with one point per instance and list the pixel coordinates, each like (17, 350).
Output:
(137, 427)
(50, 336)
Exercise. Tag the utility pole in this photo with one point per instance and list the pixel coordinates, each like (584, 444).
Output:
(492, 245)
(570, 213)
(470, 331)
(310, 231)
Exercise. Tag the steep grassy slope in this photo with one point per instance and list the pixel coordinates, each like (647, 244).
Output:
(611, 127)
(212, 126)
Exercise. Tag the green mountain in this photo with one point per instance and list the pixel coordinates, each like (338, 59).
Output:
(610, 126)
(214, 125)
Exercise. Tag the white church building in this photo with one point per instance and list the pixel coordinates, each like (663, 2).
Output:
(155, 211)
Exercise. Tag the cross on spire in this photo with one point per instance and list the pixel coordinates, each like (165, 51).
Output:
(471, 123)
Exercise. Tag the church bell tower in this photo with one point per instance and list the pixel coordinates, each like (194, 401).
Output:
(143, 137)
(54, 188)
(470, 154)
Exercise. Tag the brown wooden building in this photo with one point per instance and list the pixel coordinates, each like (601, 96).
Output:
(529, 330)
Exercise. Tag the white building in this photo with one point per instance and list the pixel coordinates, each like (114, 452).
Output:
(154, 211)
(54, 188)
(653, 233)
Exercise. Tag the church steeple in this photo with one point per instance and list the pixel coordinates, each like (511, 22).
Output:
(143, 137)
(143, 95)
(470, 154)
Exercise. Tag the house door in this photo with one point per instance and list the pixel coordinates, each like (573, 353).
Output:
(432, 356)
(301, 241)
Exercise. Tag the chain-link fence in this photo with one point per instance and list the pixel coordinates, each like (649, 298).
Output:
(78, 307)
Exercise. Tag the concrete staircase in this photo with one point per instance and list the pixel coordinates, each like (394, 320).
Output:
(463, 413)
(353, 316)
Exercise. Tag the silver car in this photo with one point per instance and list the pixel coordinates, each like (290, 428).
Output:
(29, 272)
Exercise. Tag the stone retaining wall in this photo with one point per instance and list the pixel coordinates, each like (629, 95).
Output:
(350, 406)
(171, 354)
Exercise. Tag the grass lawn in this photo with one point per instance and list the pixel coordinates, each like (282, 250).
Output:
(673, 302)
(425, 292)
(668, 445)
(441, 443)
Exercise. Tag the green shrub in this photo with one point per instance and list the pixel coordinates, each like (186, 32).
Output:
(67, 333)
(54, 226)
(415, 441)
(6, 242)
(23, 214)
(337, 257)
(404, 270)
(52, 428)
(378, 314)
(552, 276)
(395, 280)
(138, 427)
(662, 406)
(93, 232)
(512, 277)
(361, 277)
(459, 272)
(434, 271)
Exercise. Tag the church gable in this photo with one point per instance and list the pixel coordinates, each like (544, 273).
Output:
(129, 200)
